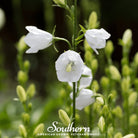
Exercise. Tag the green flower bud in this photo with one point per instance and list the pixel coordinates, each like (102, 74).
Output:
(22, 77)
(117, 111)
(127, 37)
(31, 91)
(136, 84)
(86, 46)
(95, 86)
(39, 129)
(109, 48)
(77, 117)
(93, 20)
(30, 106)
(118, 135)
(21, 93)
(124, 61)
(114, 94)
(64, 117)
(101, 124)
(132, 99)
(114, 73)
(22, 131)
(125, 84)
(88, 56)
(21, 46)
(100, 100)
(97, 107)
(2, 18)
(136, 59)
(126, 70)
(86, 109)
(105, 110)
(94, 65)
(62, 93)
(110, 132)
(133, 120)
(26, 118)
(60, 3)
(26, 65)
(105, 82)
(129, 136)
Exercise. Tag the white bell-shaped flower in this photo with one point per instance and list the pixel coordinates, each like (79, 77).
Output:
(96, 38)
(37, 39)
(85, 80)
(69, 66)
(84, 98)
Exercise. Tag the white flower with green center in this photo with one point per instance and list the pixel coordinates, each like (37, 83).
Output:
(37, 39)
(96, 38)
(69, 66)
(84, 98)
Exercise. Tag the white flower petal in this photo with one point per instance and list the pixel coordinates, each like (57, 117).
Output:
(84, 98)
(85, 81)
(76, 69)
(96, 38)
(37, 39)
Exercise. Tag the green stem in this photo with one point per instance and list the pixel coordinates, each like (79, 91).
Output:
(90, 119)
(74, 103)
(63, 39)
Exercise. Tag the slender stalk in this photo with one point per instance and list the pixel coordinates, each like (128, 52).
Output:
(90, 119)
(74, 103)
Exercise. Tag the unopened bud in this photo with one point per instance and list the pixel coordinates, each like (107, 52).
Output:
(105, 82)
(88, 56)
(117, 111)
(118, 135)
(94, 65)
(39, 129)
(60, 3)
(26, 65)
(124, 61)
(30, 106)
(127, 37)
(31, 91)
(129, 136)
(105, 110)
(136, 84)
(132, 99)
(21, 46)
(95, 86)
(133, 120)
(114, 73)
(22, 77)
(101, 124)
(125, 71)
(125, 84)
(2, 18)
(22, 131)
(26, 118)
(64, 117)
(100, 100)
(136, 59)
(21, 93)
(109, 49)
(93, 20)
(87, 46)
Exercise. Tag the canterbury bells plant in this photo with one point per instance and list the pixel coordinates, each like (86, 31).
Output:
(96, 38)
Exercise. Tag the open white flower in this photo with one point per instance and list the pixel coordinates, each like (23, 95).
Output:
(85, 79)
(96, 38)
(69, 66)
(84, 98)
(37, 39)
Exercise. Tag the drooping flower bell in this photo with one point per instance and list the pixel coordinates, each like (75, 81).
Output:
(69, 66)
(84, 98)
(37, 39)
(96, 38)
